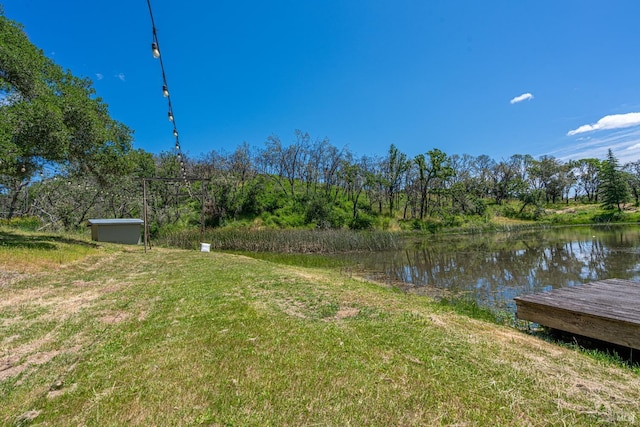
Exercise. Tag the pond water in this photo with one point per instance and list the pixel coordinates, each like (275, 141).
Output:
(492, 269)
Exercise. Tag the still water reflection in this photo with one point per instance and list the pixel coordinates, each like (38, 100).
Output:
(493, 269)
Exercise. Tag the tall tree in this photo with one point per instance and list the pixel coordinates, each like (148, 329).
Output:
(482, 185)
(613, 188)
(464, 198)
(588, 175)
(545, 175)
(633, 179)
(49, 117)
(352, 178)
(505, 180)
(286, 164)
(393, 168)
(433, 171)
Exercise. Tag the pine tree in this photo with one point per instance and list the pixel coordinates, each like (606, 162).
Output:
(613, 187)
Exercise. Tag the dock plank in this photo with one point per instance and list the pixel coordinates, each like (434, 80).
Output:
(608, 310)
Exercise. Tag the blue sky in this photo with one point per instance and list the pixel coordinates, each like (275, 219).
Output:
(499, 78)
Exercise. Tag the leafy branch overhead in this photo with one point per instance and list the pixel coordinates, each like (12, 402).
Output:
(50, 117)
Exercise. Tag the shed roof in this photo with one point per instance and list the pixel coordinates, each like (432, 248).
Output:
(118, 221)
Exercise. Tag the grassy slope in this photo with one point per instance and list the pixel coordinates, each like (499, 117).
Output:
(187, 338)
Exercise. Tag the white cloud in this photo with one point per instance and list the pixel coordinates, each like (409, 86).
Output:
(120, 76)
(99, 76)
(614, 121)
(524, 97)
(625, 144)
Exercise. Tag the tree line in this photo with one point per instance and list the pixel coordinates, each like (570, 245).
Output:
(64, 160)
(310, 182)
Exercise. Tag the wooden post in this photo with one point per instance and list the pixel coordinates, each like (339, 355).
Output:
(144, 209)
(202, 213)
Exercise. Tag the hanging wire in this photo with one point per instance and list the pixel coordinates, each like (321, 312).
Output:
(157, 53)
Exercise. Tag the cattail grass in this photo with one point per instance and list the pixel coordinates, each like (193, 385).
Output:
(286, 241)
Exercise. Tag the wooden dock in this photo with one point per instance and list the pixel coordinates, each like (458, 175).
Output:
(607, 310)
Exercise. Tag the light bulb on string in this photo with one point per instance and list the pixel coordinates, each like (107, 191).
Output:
(23, 169)
(155, 50)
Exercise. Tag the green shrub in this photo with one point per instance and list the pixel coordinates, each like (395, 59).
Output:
(361, 222)
(480, 207)
(609, 216)
(317, 211)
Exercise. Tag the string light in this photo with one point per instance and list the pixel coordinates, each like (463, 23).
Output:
(155, 50)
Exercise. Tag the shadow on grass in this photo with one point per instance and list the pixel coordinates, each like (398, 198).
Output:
(40, 241)
(597, 348)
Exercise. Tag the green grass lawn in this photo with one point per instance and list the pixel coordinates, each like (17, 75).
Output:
(172, 337)
(24, 251)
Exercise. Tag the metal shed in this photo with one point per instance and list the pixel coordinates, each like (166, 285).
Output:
(125, 231)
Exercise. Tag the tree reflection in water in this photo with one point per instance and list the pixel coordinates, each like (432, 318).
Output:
(493, 269)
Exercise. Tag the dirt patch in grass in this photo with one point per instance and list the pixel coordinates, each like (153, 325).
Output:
(60, 302)
(58, 305)
(8, 278)
(41, 307)
(293, 308)
(17, 362)
(115, 317)
(20, 297)
(346, 312)
(27, 418)
(57, 392)
(19, 358)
